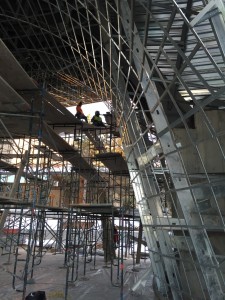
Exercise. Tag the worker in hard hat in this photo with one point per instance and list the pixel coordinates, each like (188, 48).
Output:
(97, 120)
(79, 112)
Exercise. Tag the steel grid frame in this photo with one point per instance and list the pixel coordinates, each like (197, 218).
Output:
(158, 58)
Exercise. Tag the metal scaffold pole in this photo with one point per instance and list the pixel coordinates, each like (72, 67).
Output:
(14, 188)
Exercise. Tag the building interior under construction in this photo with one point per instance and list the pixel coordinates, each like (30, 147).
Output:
(132, 209)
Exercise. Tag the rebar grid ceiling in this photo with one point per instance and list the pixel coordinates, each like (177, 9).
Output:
(160, 67)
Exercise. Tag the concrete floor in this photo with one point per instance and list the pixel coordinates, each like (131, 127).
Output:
(93, 284)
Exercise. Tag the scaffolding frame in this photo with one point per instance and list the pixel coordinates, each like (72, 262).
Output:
(160, 67)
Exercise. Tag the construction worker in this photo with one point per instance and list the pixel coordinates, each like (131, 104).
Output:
(97, 120)
(115, 237)
(80, 114)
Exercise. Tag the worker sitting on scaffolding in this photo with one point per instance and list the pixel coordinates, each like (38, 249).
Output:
(97, 120)
(80, 114)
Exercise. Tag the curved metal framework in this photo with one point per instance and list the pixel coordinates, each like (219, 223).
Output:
(160, 67)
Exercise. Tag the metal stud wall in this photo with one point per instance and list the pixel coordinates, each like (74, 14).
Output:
(159, 66)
